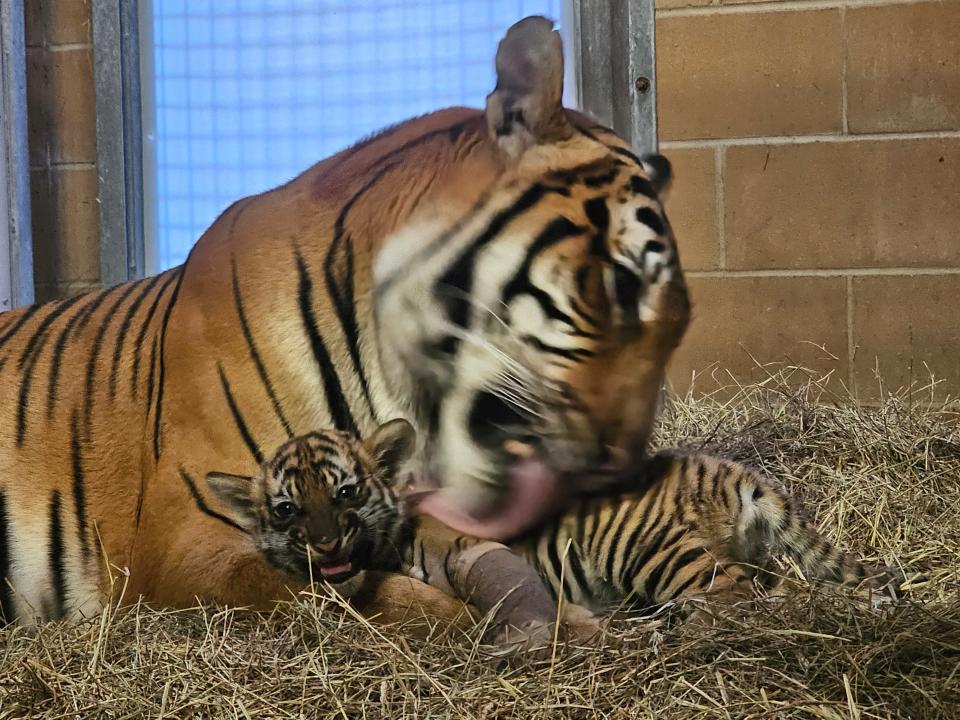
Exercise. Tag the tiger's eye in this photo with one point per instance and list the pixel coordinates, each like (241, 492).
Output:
(284, 510)
(347, 492)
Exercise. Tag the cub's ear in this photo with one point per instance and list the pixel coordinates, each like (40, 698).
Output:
(391, 445)
(659, 171)
(526, 107)
(235, 491)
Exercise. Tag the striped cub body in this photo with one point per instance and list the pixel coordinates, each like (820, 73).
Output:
(689, 525)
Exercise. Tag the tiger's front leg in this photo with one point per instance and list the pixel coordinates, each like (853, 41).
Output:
(489, 576)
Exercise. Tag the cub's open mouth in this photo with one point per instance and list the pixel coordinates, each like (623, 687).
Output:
(335, 570)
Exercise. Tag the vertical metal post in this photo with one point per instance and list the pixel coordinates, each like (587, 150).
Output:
(615, 46)
(16, 252)
(116, 70)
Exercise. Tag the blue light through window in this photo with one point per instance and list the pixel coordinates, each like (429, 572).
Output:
(246, 94)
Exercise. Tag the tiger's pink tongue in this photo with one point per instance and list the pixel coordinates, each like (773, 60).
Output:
(532, 494)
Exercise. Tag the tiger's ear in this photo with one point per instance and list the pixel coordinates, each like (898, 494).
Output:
(235, 491)
(526, 107)
(391, 445)
(659, 171)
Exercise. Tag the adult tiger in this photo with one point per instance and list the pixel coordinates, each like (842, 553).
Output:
(448, 270)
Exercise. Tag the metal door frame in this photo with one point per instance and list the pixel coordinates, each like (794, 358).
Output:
(16, 251)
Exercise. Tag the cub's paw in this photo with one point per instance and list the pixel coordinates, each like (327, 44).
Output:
(580, 624)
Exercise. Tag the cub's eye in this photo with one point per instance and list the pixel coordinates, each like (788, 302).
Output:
(347, 492)
(284, 510)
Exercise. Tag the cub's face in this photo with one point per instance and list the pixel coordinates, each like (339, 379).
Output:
(325, 506)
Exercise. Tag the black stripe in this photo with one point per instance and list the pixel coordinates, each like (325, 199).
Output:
(6, 600)
(625, 153)
(202, 506)
(555, 232)
(42, 328)
(566, 353)
(336, 401)
(158, 413)
(631, 545)
(61, 345)
(153, 364)
(579, 576)
(23, 400)
(701, 478)
(238, 418)
(643, 558)
(681, 562)
(686, 585)
(423, 562)
(614, 542)
(583, 313)
(553, 556)
(653, 578)
(642, 186)
(27, 314)
(88, 397)
(428, 250)
(649, 217)
(254, 353)
(340, 257)
(55, 556)
(627, 288)
(604, 179)
(446, 568)
(124, 327)
(455, 285)
(79, 499)
(138, 344)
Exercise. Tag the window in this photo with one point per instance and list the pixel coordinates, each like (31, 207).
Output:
(241, 95)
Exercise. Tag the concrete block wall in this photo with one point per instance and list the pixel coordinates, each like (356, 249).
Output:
(817, 204)
(817, 152)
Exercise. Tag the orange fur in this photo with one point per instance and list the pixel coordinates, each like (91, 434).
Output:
(115, 405)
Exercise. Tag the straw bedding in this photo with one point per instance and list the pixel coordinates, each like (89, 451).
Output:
(883, 480)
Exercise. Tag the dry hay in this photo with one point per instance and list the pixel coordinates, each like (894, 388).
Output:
(882, 480)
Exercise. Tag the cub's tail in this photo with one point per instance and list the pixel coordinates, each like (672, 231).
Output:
(772, 520)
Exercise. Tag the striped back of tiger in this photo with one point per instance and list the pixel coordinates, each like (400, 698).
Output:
(690, 524)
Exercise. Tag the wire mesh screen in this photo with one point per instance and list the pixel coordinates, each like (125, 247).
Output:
(248, 93)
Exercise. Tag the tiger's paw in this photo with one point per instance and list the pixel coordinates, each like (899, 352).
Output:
(532, 640)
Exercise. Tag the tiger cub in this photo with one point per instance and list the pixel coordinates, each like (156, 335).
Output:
(326, 506)
(685, 526)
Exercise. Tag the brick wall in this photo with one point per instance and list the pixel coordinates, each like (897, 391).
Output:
(63, 147)
(817, 202)
(817, 152)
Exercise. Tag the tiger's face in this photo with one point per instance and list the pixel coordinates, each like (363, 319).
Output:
(537, 334)
(325, 506)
